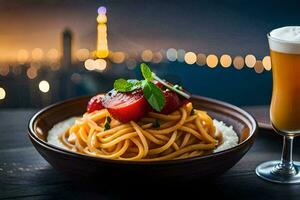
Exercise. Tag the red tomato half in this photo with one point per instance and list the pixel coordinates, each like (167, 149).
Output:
(125, 107)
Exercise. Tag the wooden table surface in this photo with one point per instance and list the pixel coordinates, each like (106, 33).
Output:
(24, 174)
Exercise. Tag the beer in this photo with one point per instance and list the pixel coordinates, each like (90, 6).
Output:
(285, 106)
(285, 58)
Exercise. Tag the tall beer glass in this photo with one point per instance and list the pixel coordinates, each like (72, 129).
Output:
(284, 46)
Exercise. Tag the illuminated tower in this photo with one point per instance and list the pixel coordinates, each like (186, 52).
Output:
(67, 48)
(102, 47)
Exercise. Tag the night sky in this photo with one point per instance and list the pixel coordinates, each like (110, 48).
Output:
(229, 26)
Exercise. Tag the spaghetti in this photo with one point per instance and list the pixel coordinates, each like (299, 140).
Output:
(184, 133)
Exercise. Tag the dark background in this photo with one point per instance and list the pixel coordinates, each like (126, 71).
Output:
(237, 28)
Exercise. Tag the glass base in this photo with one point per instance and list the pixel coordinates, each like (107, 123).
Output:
(273, 171)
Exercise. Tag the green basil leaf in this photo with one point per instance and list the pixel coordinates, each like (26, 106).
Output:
(146, 71)
(123, 85)
(107, 123)
(106, 126)
(154, 96)
(156, 123)
(108, 119)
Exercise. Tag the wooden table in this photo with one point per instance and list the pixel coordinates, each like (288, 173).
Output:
(24, 174)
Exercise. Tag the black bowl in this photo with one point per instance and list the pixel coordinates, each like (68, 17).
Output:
(80, 166)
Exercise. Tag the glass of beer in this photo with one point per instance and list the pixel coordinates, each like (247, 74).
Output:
(284, 46)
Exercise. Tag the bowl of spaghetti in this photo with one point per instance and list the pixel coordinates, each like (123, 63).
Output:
(139, 132)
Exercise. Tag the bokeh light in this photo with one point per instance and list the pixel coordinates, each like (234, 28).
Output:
(2, 93)
(102, 10)
(201, 59)
(89, 64)
(190, 58)
(4, 70)
(212, 61)
(31, 73)
(250, 60)
(238, 62)
(82, 54)
(267, 63)
(259, 67)
(118, 57)
(172, 54)
(225, 60)
(52, 55)
(147, 55)
(100, 64)
(101, 18)
(180, 55)
(131, 63)
(44, 86)
(37, 54)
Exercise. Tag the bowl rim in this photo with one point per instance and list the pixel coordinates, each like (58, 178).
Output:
(44, 144)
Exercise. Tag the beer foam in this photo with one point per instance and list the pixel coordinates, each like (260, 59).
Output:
(285, 39)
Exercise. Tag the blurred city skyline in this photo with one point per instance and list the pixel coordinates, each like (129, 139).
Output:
(138, 25)
(213, 48)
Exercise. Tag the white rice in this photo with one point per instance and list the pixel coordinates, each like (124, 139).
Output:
(57, 130)
(230, 138)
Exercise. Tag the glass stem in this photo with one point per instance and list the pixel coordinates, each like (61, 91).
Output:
(286, 164)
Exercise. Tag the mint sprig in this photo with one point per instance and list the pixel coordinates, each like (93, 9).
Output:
(154, 96)
(152, 93)
(123, 85)
(146, 72)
